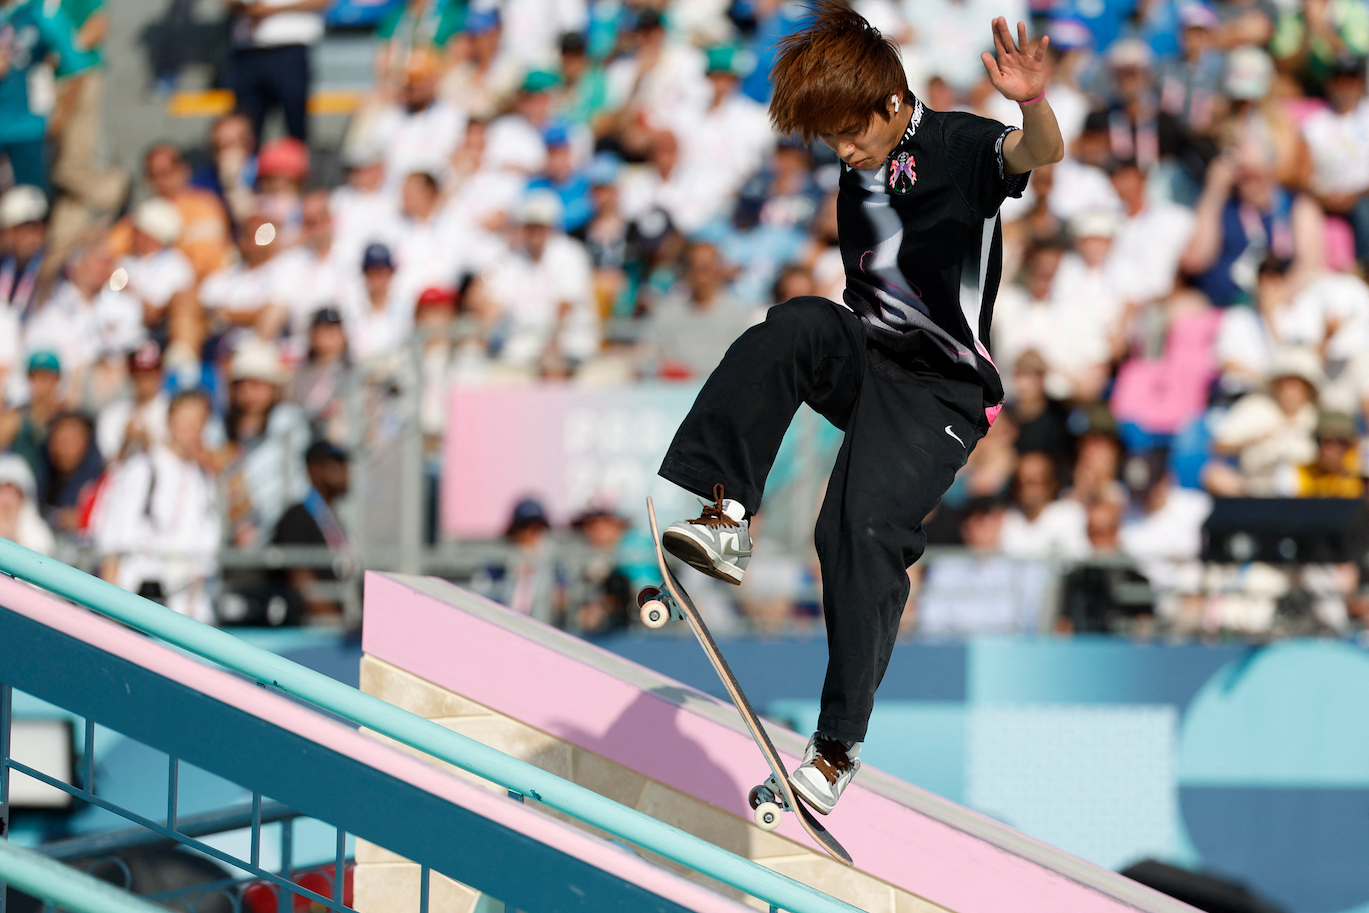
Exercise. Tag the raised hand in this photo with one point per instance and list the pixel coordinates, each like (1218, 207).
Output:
(1017, 70)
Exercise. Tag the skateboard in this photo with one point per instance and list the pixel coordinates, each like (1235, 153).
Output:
(775, 796)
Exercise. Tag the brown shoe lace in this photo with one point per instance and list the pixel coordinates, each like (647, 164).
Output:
(831, 760)
(713, 516)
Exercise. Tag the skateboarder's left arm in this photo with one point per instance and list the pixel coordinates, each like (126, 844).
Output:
(1018, 72)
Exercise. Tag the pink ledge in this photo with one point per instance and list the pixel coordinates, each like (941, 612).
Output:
(691, 741)
(273, 708)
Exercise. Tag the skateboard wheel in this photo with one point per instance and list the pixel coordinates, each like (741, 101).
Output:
(655, 614)
(646, 594)
(767, 816)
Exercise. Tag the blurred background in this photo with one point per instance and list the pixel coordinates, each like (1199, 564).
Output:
(298, 288)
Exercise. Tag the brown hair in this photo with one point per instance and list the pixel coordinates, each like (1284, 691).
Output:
(834, 75)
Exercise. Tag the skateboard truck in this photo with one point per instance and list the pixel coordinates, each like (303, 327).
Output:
(657, 607)
(767, 804)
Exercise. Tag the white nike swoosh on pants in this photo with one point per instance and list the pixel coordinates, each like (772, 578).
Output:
(954, 435)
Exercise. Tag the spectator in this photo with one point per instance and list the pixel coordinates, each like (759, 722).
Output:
(264, 457)
(560, 177)
(1268, 434)
(584, 96)
(34, 33)
(129, 425)
(489, 74)
(380, 321)
(1150, 241)
(90, 324)
(1247, 336)
(19, 519)
(1026, 316)
(1089, 308)
(88, 191)
(415, 30)
(231, 173)
(315, 270)
(1042, 422)
(1257, 112)
(531, 580)
(542, 293)
(1190, 83)
(69, 474)
(23, 246)
(1340, 157)
(45, 401)
(515, 141)
(1163, 528)
(1243, 215)
(252, 292)
(692, 327)
(313, 522)
(318, 385)
(155, 272)
(361, 204)
(602, 590)
(1038, 525)
(268, 66)
(1337, 471)
(282, 169)
(428, 242)
(434, 319)
(1311, 37)
(159, 527)
(205, 237)
(419, 130)
(1097, 461)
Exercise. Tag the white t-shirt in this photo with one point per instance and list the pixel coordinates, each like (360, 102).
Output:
(239, 289)
(280, 29)
(1059, 531)
(1146, 250)
(82, 332)
(314, 282)
(419, 141)
(1172, 532)
(514, 144)
(531, 292)
(112, 425)
(155, 278)
(1340, 149)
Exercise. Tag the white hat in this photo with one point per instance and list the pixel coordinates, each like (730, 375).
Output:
(1131, 52)
(1249, 73)
(540, 207)
(1300, 362)
(22, 203)
(159, 218)
(255, 359)
(1094, 223)
(14, 470)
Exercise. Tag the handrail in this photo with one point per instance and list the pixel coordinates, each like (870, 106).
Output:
(410, 729)
(62, 886)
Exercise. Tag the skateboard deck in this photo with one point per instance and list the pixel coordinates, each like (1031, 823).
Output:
(734, 690)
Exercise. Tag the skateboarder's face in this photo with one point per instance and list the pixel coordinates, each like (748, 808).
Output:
(865, 148)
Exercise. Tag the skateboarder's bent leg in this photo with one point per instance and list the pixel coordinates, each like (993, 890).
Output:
(807, 350)
(908, 436)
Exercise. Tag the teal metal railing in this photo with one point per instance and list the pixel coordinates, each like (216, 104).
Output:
(62, 886)
(515, 775)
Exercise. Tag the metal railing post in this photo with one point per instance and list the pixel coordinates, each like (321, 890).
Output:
(6, 695)
(339, 866)
(424, 878)
(173, 777)
(88, 781)
(256, 828)
(287, 850)
(413, 474)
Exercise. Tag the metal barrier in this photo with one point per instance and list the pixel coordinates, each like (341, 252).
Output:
(519, 777)
(44, 878)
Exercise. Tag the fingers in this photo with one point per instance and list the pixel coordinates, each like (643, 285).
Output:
(1041, 47)
(1022, 35)
(991, 64)
(1001, 38)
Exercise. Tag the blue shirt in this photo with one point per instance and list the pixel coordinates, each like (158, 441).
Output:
(576, 204)
(28, 35)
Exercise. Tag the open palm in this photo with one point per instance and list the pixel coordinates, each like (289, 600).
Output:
(1016, 69)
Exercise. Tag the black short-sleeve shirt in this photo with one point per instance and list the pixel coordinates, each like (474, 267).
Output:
(922, 245)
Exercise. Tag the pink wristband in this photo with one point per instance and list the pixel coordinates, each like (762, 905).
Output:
(1032, 101)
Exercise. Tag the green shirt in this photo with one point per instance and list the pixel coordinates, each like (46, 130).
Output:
(433, 24)
(32, 33)
(78, 11)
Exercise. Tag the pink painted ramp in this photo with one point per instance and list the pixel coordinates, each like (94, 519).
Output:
(697, 744)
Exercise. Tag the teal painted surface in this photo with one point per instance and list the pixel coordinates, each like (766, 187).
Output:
(412, 730)
(1294, 714)
(922, 742)
(39, 876)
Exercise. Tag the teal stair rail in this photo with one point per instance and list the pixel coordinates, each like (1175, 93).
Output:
(62, 886)
(515, 775)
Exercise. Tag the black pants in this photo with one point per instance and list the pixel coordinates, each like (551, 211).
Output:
(907, 434)
(262, 78)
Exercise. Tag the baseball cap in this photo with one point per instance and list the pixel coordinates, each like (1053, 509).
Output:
(528, 512)
(721, 59)
(326, 315)
(255, 359)
(376, 255)
(22, 204)
(540, 207)
(1096, 223)
(605, 169)
(1300, 362)
(556, 135)
(540, 81)
(45, 360)
(1069, 34)
(1347, 65)
(434, 296)
(1336, 426)
(1249, 72)
(147, 357)
(286, 157)
(573, 43)
(322, 451)
(1131, 52)
(478, 22)
(1198, 16)
(158, 218)
(14, 470)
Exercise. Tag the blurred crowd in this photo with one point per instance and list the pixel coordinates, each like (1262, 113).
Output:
(558, 189)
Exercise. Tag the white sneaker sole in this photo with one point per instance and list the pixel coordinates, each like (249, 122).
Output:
(699, 556)
(819, 806)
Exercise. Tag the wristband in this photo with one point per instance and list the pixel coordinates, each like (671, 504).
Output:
(1032, 101)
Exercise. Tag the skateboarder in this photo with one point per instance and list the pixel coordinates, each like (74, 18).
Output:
(902, 365)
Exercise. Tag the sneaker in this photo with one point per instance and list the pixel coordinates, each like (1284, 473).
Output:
(718, 543)
(827, 768)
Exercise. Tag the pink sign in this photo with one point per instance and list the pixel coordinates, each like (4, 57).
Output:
(560, 444)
